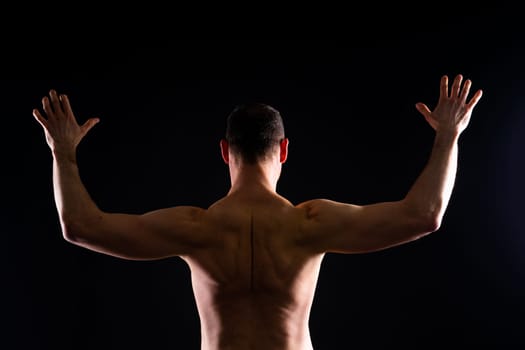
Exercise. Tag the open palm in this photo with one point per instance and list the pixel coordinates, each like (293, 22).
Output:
(452, 112)
(62, 131)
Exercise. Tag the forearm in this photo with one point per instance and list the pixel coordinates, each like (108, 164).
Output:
(430, 194)
(75, 207)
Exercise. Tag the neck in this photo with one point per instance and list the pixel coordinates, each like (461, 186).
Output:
(254, 177)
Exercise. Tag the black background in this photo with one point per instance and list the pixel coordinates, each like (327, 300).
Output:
(355, 136)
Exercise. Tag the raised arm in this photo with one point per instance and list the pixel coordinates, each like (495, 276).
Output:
(346, 228)
(154, 235)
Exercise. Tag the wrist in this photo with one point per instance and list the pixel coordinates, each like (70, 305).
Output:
(68, 155)
(446, 138)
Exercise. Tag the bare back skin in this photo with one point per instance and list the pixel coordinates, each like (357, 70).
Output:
(255, 284)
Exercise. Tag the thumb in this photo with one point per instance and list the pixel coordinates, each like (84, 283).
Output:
(423, 109)
(88, 125)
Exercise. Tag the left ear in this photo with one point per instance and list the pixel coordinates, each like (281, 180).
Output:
(225, 151)
(284, 150)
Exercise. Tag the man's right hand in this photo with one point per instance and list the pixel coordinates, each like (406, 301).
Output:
(63, 133)
(452, 113)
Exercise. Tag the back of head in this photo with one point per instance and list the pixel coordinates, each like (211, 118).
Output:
(253, 130)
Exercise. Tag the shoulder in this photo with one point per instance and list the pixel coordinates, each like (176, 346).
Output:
(187, 213)
(317, 207)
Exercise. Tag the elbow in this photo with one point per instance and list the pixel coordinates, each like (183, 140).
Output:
(424, 226)
(70, 233)
(73, 231)
(81, 229)
(425, 220)
(431, 223)
(434, 225)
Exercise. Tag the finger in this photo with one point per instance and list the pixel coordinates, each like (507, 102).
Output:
(46, 105)
(443, 92)
(466, 90)
(88, 125)
(66, 106)
(55, 102)
(39, 118)
(474, 100)
(456, 85)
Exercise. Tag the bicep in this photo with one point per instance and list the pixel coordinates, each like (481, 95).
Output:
(153, 235)
(346, 228)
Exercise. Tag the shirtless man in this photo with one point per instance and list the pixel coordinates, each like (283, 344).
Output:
(254, 256)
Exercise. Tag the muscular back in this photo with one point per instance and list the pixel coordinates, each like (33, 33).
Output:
(254, 284)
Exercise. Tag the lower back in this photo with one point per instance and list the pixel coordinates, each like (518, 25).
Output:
(255, 322)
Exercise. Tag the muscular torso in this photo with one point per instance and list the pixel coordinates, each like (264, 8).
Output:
(255, 282)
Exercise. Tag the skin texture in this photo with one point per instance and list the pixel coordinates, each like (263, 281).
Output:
(254, 256)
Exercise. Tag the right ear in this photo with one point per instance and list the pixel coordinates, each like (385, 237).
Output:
(225, 151)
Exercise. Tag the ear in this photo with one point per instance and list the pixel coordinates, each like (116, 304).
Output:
(225, 151)
(284, 150)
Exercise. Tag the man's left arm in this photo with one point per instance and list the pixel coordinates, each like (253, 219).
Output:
(154, 235)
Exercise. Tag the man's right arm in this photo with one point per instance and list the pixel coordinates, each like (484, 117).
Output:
(346, 228)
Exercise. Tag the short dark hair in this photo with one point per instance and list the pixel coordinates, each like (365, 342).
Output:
(253, 129)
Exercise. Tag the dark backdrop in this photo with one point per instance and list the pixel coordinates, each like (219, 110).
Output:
(348, 107)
